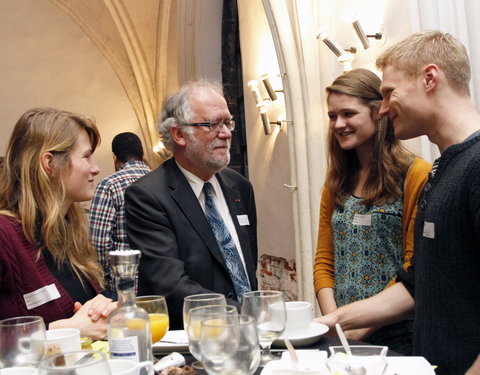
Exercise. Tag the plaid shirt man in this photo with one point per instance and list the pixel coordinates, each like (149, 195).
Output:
(107, 214)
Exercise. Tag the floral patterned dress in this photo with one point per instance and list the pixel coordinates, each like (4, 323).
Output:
(368, 253)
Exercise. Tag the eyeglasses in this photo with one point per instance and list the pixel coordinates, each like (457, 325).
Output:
(216, 126)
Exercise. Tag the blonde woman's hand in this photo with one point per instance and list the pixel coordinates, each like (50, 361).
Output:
(99, 307)
(97, 329)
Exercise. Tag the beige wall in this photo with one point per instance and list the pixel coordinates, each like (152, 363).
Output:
(46, 60)
(269, 165)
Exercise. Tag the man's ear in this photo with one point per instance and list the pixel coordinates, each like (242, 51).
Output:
(431, 75)
(178, 136)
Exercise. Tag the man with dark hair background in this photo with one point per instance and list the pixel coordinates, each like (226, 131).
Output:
(107, 213)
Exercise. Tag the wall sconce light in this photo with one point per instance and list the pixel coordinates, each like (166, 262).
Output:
(333, 45)
(253, 84)
(357, 27)
(267, 129)
(267, 124)
(346, 60)
(263, 104)
(268, 86)
(160, 149)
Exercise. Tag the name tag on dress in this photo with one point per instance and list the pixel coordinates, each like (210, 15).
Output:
(243, 220)
(41, 296)
(429, 230)
(365, 220)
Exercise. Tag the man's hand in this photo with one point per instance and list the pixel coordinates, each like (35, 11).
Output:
(475, 369)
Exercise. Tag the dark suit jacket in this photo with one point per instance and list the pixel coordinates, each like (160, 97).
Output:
(180, 255)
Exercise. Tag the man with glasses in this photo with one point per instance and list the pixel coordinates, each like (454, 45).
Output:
(193, 219)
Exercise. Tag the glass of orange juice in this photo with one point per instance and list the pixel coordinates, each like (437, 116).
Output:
(157, 310)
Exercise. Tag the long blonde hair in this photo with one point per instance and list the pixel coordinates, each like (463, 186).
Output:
(390, 160)
(34, 198)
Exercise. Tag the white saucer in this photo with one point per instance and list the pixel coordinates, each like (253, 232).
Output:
(315, 330)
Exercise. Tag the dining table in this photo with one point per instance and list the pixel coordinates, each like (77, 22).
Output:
(323, 343)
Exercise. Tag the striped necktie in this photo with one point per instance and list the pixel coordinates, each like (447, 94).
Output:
(226, 244)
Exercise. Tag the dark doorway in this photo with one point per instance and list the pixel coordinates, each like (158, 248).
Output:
(233, 84)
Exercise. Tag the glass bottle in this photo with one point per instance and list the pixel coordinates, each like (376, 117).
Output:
(129, 334)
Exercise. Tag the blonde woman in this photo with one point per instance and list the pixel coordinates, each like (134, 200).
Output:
(368, 204)
(47, 265)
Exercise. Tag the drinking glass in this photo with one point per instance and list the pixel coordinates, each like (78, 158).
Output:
(229, 345)
(197, 300)
(157, 310)
(22, 341)
(267, 307)
(84, 362)
(195, 316)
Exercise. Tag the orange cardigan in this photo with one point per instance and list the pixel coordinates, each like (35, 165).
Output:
(323, 272)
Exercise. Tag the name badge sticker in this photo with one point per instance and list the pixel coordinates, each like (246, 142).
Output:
(243, 220)
(429, 230)
(41, 296)
(365, 220)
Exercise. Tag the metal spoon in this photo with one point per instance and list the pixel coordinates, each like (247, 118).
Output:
(355, 370)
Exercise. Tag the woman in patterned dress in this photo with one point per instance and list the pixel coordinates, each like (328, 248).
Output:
(368, 204)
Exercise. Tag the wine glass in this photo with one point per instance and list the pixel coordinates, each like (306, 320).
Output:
(267, 307)
(197, 300)
(84, 362)
(229, 345)
(22, 341)
(157, 310)
(195, 316)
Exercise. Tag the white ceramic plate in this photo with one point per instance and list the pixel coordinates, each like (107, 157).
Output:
(312, 359)
(173, 341)
(315, 330)
(409, 366)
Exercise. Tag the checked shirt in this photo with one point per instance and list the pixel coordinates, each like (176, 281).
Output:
(107, 214)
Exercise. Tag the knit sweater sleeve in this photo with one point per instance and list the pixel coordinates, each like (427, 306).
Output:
(323, 272)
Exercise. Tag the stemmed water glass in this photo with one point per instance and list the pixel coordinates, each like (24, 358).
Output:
(157, 310)
(267, 307)
(195, 317)
(229, 345)
(22, 341)
(197, 300)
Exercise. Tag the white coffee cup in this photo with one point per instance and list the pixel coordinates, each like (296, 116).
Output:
(63, 340)
(127, 367)
(299, 317)
(18, 371)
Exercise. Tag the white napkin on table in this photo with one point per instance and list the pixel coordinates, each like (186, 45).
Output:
(175, 337)
(313, 360)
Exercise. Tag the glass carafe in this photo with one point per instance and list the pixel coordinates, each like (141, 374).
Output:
(129, 334)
